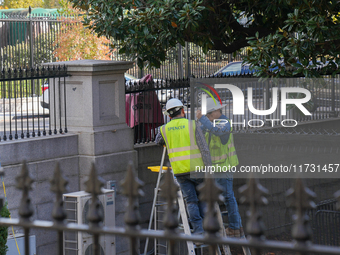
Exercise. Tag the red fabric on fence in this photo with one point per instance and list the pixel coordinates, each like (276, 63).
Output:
(144, 109)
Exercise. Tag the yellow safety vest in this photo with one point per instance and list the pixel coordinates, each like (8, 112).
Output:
(222, 155)
(184, 154)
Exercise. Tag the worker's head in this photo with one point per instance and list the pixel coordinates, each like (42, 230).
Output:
(174, 108)
(214, 109)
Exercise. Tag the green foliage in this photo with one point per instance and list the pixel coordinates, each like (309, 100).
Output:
(308, 39)
(274, 29)
(19, 54)
(14, 4)
(4, 212)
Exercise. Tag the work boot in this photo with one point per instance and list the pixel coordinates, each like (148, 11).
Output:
(238, 233)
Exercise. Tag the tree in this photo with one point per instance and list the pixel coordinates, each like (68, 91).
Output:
(51, 4)
(75, 42)
(14, 4)
(273, 29)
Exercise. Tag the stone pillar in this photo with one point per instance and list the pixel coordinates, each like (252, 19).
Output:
(95, 96)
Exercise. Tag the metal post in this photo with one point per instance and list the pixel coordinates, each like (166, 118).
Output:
(31, 47)
(180, 61)
(333, 113)
(187, 60)
(192, 98)
(31, 36)
(140, 73)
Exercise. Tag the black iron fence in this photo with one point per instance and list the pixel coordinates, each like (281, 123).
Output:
(145, 101)
(26, 96)
(299, 199)
(30, 40)
(184, 62)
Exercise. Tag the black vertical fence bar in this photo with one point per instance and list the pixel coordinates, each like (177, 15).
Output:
(59, 97)
(37, 103)
(43, 100)
(26, 96)
(21, 106)
(27, 240)
(32, 102)
(10, 86)
(49, 100)
(65, 128)
(2, 83)
(54, 103)
(16, 84)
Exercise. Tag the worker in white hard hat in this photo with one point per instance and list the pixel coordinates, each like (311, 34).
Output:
(187, 149)
(220, 140)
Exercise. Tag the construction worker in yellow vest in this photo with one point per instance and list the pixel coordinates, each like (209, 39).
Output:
(217, 130)
(187, 150)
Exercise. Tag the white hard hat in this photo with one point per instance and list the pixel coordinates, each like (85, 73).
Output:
(172, 106)
(212, 106)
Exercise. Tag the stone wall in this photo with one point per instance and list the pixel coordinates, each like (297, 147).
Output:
(41, 155)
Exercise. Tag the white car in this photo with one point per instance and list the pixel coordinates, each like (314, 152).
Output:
(45, 102)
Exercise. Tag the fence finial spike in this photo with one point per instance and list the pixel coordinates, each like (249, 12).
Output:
(58, 186)
(210, 192)
(131, 188)
(300, 198)
(58, 183)
(94, 184)
(253, 193)
(24, 183)
(169, 191)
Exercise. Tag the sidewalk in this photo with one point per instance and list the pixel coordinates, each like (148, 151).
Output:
(26, 106)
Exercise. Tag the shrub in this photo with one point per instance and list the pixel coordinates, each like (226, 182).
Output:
(4, 212)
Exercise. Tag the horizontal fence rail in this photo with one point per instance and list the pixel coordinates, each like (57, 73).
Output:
(32, 102)
(299, 198)
(145, 102)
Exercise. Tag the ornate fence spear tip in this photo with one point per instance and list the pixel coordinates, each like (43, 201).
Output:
(58, 182)
(24, 183)
(169, 191)
(300, 198)
(94, 186)
(131, 184)
(58, 186)
(24, 180)
(337, 196)
(210, 192)
(253, 193)
(131, 188)
(94, 183)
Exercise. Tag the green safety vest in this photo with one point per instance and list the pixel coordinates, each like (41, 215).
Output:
(179, 137)
(222, 154)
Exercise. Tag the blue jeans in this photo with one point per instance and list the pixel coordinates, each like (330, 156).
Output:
(234, 217)
(195, 208)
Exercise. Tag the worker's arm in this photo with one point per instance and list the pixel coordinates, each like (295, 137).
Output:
(159, 138)
(221, 129)
(203, 146)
